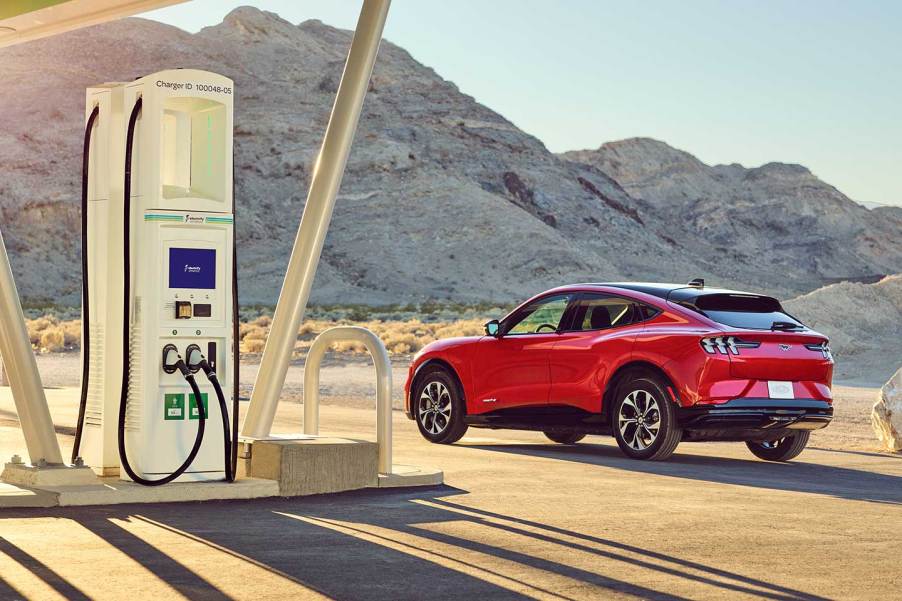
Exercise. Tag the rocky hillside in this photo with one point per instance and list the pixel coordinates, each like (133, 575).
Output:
(779, 216)
(863, 322)
(443, 199)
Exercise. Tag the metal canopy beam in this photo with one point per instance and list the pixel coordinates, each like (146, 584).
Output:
(308, 245)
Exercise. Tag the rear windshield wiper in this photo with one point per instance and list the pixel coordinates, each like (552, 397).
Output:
(785, 325)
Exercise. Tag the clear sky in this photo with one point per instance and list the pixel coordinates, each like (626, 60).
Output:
(816, 82)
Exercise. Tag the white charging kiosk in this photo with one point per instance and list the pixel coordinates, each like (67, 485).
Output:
(173, 234)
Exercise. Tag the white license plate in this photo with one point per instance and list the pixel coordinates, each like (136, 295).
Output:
(780, 390)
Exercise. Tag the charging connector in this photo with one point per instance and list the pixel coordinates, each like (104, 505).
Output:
(196, 361)
(172, 360)
(194, 358)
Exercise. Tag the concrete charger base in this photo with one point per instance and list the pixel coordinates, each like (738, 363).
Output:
(286, 466)
(310, 465)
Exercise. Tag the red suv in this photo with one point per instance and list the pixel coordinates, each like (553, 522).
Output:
(652, 364)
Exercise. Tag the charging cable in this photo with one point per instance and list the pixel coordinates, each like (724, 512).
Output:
(85, 301)
(172, 362)
(198, 362)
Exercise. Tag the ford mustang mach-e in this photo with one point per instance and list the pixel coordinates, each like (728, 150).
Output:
(652, 364)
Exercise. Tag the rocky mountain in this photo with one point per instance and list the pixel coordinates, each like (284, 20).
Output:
(778, 215)
(443, 198)
(863, 322)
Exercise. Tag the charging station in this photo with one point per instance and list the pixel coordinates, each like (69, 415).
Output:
(159, 302)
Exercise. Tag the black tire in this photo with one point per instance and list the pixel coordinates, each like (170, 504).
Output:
(565, 437)
(440, 421)
(783, 449)
(643, 399)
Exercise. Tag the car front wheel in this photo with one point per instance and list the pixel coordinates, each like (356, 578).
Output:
(644, 420)
(439, 407)
(783, 449)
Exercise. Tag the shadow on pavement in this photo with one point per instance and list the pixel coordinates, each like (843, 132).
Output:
(797, 476)
(40, 570)
(392, 544)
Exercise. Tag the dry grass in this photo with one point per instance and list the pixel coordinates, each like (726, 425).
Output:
(401, 337)
(50, 335)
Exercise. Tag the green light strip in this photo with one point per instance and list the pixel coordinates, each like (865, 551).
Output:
(163, 218)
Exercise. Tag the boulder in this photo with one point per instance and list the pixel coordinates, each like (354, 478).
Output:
(886, 417)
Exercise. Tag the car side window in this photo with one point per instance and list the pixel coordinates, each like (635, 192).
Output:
(541, 317)
(601, 312)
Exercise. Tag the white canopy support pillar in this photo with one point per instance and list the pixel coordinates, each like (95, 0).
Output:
(22, 369)
(308, 244)
(383, 385)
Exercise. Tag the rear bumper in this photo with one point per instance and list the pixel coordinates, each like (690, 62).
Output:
(751, 417)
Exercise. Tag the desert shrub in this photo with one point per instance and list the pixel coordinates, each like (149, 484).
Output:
(53, 339)
(349, 346)
(252, 345)
(37, 326)
(264, 321)
(72, 333)
(402, 343)
(399, 348)
(312, 327)
(470, 327)
(359, 314)
(255, 333)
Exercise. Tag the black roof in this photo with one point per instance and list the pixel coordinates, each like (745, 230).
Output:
(674, 292)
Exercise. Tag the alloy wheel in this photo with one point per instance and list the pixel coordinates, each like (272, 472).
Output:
(435, 407)
(639, 420)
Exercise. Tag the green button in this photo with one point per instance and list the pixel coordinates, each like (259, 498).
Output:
(174, 406)
(192, 403)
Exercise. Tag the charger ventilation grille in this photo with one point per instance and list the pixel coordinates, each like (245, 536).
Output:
(136, 372)
(96, 377)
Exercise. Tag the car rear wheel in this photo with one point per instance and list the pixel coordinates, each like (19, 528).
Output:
(784, 449)
(644, 420)
(565, 437)
(439, 407)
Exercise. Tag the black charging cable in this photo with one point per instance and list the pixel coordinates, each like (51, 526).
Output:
(85, 305)
(172, 361)
(198, 362)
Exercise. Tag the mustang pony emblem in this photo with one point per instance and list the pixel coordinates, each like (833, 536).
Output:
(785, 347)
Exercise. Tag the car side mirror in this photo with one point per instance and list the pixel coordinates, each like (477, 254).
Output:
(493, 328)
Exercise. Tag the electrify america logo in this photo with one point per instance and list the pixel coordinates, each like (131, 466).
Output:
(192, 268)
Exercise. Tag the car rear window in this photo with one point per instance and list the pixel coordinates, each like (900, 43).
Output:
(744, 311)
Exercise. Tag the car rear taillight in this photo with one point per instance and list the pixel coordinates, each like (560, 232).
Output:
(725, 345)
(821, 347)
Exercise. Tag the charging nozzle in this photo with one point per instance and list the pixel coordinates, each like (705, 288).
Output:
(195, 358)
(173, 362)
(198, 362)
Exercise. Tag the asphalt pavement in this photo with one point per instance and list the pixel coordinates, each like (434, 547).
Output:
(517, 518)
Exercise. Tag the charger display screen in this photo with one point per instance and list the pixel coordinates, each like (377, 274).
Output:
(193, 268)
